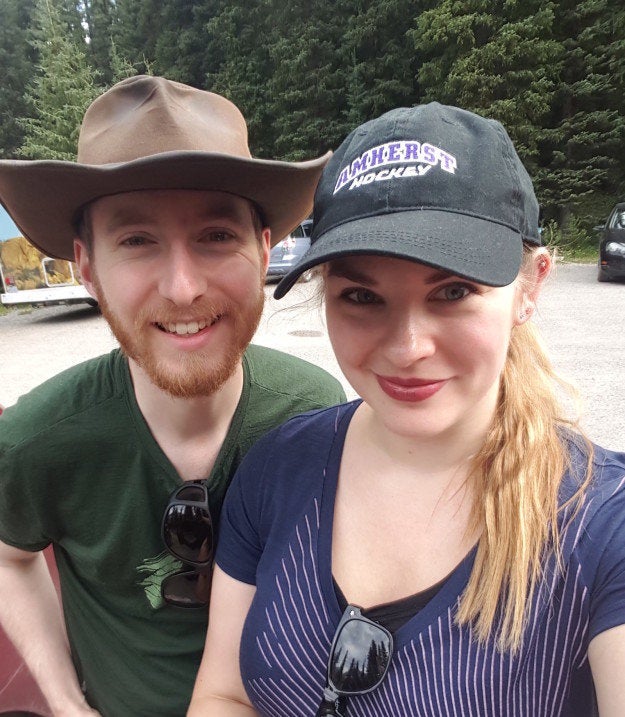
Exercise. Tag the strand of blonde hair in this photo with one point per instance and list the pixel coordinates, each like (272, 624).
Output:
(517, 475)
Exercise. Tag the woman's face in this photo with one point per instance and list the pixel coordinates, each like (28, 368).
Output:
(424, 349)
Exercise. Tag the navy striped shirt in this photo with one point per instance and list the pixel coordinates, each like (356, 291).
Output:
(276, 533)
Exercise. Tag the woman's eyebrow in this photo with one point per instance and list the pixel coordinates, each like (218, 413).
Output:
(439, 276)
(346, 272)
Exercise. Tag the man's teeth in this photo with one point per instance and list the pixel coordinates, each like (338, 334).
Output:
(183, 328)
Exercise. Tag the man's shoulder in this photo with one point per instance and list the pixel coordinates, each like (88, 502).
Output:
(65, 396)
(282, 374)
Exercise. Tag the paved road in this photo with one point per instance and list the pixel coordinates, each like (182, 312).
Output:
(582, 321)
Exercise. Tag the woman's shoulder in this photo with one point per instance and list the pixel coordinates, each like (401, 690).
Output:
(607, 470)
(307, 432)
(592, 516)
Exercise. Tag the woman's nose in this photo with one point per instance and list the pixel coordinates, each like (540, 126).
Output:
(409, 338)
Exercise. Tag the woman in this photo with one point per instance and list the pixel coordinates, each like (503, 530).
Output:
(449, 545)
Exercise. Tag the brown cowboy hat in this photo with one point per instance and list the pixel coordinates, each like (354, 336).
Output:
(152, 133)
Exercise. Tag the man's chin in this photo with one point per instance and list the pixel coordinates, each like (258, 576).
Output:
(194, 377)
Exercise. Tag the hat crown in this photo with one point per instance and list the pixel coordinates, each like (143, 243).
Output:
(145, 115)
(433, 184)
(428, 157)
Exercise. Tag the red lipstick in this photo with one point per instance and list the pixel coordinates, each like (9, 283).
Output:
(410, 389)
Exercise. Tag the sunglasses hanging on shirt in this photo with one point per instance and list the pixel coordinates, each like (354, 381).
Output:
(359, 660)
(187, 531)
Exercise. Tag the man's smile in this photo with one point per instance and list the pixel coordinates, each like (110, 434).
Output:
(182, 328)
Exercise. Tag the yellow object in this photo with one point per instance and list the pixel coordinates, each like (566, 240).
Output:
(27, 268)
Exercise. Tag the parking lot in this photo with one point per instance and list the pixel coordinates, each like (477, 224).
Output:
(583, 323)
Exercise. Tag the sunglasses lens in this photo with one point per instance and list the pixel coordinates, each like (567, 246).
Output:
(189, 589)
(193, 493)
(360, 658)
(187, 529)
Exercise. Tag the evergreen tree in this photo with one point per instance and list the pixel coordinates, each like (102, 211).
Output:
(63, 89)
(180, 48)
(240, 66)
(100, 19)
(494, 58)
(584, 169)
(16, 69)
(308, 102)
(381, 67)
(137, 28)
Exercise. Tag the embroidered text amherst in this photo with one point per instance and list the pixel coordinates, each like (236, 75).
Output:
(395, 153)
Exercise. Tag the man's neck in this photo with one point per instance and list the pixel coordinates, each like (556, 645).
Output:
(190, 431)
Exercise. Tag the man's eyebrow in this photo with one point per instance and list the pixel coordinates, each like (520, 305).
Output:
(223, 211)
(126, 216)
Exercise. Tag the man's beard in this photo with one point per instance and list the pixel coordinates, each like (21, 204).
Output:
(189, 374)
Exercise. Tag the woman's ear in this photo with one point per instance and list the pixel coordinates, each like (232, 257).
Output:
(533, 274)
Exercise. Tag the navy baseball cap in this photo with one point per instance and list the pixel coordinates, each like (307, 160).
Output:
(434, 184)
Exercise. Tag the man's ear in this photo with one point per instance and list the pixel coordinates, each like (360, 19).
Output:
(83, 261)
(265, 245)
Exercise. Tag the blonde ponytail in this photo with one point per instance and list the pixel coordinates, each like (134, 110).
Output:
(517, 476)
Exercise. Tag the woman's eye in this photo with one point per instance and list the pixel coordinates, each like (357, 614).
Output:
(361, 296)
(453, 292)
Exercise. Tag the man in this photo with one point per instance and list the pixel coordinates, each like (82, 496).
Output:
(171, 222)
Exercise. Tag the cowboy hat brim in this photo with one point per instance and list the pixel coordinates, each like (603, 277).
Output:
(44, 197)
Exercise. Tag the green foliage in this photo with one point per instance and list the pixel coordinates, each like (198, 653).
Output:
(305, 74)
(16, 70)
(99, 16)
(494, 58)
(62, 90)
(136, 30)
(582, 148)
(381, 74)
(573, 242)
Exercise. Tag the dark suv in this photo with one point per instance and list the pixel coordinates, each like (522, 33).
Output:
(612, 245)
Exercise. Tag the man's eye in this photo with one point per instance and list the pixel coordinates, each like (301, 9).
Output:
(360, 296)
(218, 236)
(453, 292)
(134, 241)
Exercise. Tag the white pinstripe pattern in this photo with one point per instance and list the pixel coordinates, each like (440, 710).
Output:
(438, 668)
(441, 672)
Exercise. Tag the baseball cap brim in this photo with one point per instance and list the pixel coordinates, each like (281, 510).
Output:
(470, 247)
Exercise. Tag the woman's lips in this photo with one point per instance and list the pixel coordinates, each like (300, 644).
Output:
(410, 389)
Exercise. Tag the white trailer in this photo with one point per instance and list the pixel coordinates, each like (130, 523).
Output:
(29, 277)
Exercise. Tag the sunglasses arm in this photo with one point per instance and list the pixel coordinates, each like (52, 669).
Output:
(330, 704)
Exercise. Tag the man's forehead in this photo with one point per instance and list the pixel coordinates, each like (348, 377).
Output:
(146, 206)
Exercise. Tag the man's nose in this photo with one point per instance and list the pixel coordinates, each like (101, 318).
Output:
(183, 277)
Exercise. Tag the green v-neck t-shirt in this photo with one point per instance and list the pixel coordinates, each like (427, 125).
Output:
(80, 469)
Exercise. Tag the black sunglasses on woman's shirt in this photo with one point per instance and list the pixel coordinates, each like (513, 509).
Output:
(359, 659)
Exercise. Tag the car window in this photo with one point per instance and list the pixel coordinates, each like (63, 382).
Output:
(618, 219)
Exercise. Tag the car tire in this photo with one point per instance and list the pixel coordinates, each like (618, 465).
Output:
(602, 276)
